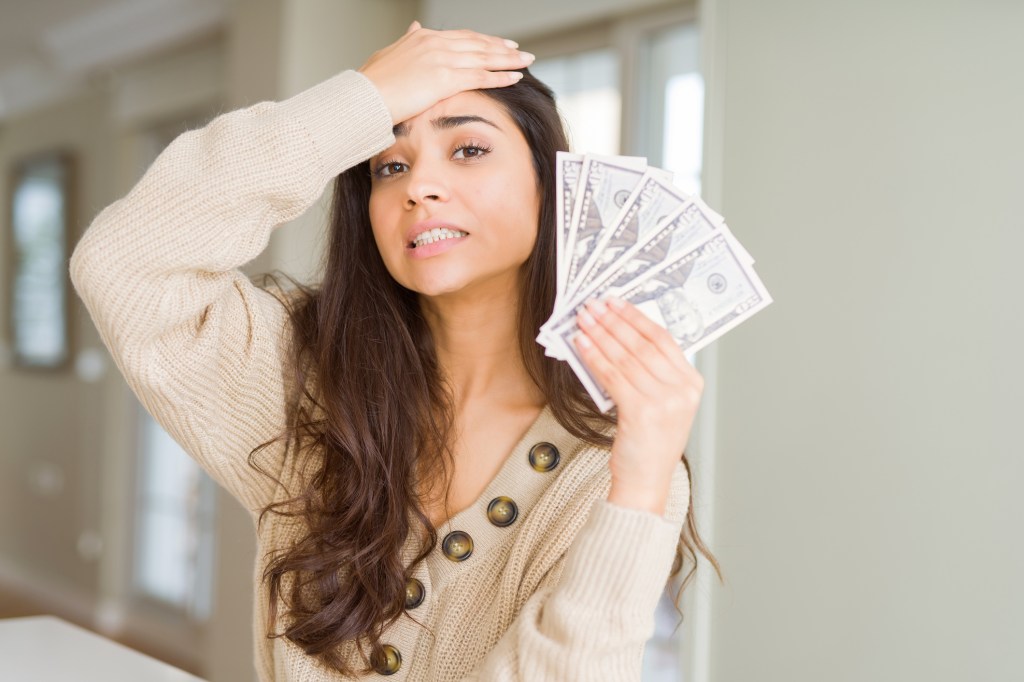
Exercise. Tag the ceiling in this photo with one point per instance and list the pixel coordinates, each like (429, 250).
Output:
(50, 48)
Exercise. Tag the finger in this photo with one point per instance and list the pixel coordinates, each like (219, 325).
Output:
(473, 54)
(493, 61)
(650, 330)
(479, 47)
(465, 34)
(648, 352)
(604, 371)
(483, 80)
(622, 359)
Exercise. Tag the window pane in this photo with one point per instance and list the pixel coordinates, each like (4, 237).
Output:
(168, 472)
(164, 560)
(174, 532)
(38, 215)
(586, 86)
(661, 662)
(672, 136)
(684, 107)
(678, 89)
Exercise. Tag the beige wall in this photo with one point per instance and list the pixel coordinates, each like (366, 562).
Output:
(47, 420)
(77, 430)
(868, 470)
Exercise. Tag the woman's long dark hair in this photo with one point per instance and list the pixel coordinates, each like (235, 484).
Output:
(371, 417)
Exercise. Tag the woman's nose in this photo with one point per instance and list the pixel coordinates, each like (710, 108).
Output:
(426, 184)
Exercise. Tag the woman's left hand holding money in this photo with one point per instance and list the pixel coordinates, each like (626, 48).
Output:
(656, 391)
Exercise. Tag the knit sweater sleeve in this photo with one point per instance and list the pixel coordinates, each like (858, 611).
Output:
(196, 341)
(592, 625)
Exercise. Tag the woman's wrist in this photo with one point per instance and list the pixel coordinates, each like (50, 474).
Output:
(652, 497)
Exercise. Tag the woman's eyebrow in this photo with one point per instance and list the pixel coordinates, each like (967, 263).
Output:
(445, 123)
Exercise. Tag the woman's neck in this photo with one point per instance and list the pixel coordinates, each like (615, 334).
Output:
(476, 335)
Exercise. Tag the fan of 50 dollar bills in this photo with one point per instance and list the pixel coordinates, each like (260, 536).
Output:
(625, 230)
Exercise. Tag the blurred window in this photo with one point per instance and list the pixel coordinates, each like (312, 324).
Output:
(174, 525)
(674, 89)
(586, 86)
(663, 116)
(674, 55)
(38, 242)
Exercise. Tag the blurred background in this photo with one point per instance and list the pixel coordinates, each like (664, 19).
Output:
(857, 465)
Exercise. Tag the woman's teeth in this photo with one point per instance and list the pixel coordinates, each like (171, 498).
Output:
(437, 234)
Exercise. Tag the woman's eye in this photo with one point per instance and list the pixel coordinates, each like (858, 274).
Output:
(469, 152)
(390, 168)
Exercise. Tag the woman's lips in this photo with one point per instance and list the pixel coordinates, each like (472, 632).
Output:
(434, 248)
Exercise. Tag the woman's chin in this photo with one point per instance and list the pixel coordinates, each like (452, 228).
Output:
(439, 286)
(457, 281)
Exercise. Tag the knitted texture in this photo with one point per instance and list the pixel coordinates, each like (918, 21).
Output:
(567, 592)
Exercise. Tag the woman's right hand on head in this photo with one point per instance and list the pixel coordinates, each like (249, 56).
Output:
(424, 67)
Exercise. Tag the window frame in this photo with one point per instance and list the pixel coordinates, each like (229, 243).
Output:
(628, 35)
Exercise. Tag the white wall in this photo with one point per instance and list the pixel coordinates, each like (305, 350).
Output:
(869, 466)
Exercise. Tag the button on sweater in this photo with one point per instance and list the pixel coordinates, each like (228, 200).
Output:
(565, 591)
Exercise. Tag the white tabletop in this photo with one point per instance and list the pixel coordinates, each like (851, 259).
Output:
(48, 649)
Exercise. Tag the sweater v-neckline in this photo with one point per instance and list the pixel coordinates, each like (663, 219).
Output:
(504, 463)
(516, 480)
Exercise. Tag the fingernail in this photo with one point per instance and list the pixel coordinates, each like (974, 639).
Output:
(598, 307)
(511, 43)
(582, 341)
(616, 302)
(527, 56)
(586, 319)
(515, 76)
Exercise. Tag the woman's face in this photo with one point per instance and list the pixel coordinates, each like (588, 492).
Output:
(454, 202)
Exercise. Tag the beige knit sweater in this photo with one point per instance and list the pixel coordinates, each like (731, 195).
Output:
(566, 592)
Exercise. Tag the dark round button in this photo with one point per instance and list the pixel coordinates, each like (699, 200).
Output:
(457, 545)
(390, 662)
(414, 593)
(502, 511)
(543, 457)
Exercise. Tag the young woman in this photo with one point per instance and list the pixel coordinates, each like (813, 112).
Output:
(434, 498)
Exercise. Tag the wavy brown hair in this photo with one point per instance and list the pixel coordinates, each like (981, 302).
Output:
(370, 436)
